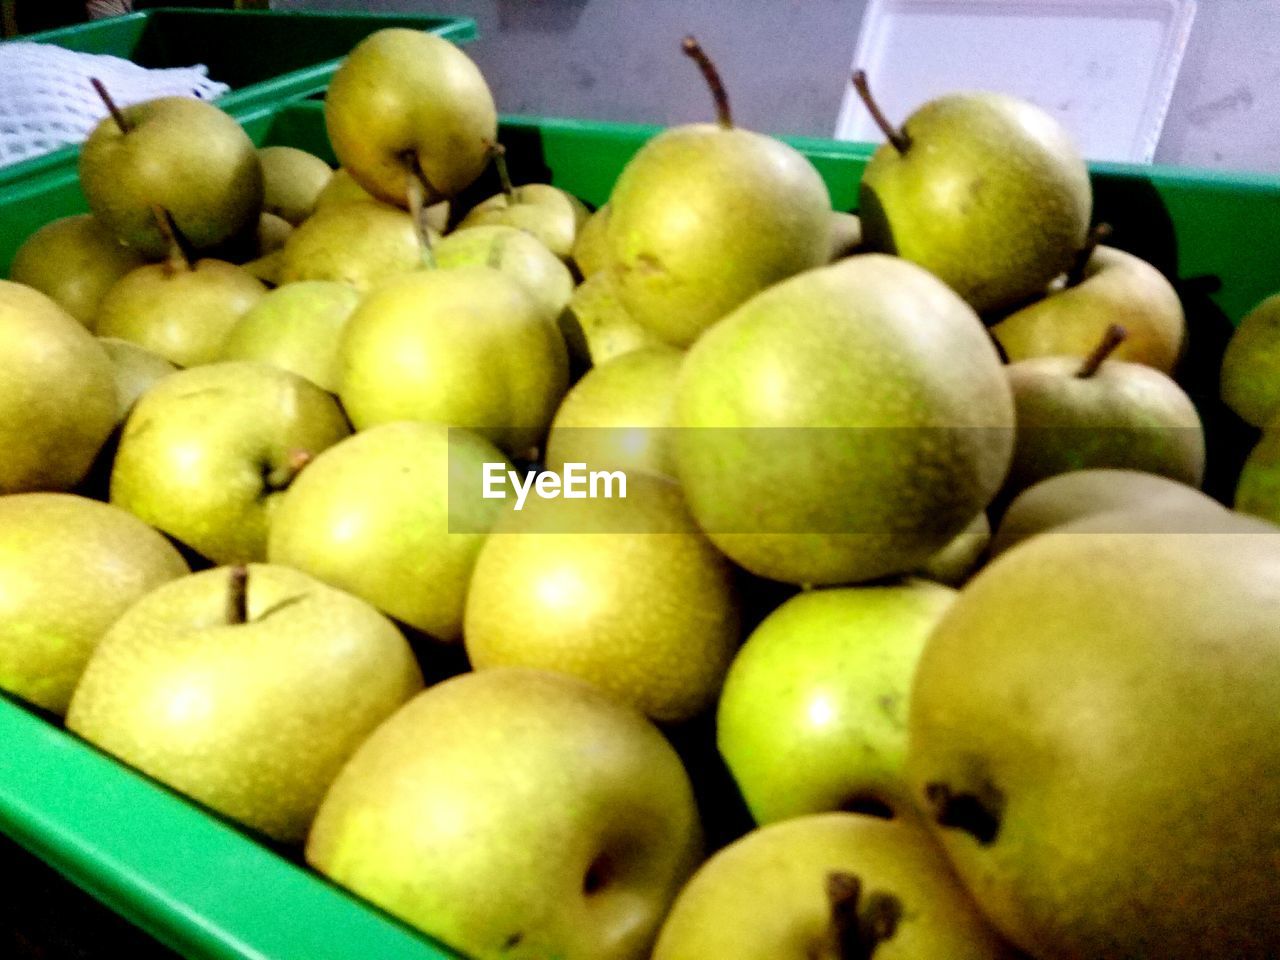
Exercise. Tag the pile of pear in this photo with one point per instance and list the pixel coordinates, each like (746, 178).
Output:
(912, 535)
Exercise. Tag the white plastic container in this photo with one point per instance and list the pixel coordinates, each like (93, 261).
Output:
(1105, 68)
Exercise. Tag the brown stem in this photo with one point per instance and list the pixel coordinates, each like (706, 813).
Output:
(417, 189)
(1114, 336)
(179, 248)
(238, 595)
(1099, 234)
(280, 477)
(859, 925)
(693, 50)
(499, 155)
(896, 136)
(116, 114)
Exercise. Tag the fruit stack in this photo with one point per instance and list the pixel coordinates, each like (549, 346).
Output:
(450, 542)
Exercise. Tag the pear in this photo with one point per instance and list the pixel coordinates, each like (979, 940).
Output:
(57, 396)
(833, 886)
(409, 111)
(206, 452)
(598, 327)
(845, 237)
(570, 585)
(814, 709)
(296, 327)
(246, 689)
(843, 425)
(567, 835)
(516, 253)
(618, 416)
(342, 188)
(1091, 728)
(395, 515)
(266, 267)
(548, 213)
(181, 312)
(706, 215)
(69, 566)
(957, 561)
(292, 180)
(273, 233)
(74, 261)
(984, 190)
(360, 243)
(1067, 497)
(178, 153)
(1100, 412)
(136, 369)
(465, 347)
(1113, 287)
(1258, 489)
(591, 247)
(1251, 365)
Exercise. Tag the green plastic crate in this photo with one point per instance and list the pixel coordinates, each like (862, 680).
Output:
(266, 57)
(207, 889)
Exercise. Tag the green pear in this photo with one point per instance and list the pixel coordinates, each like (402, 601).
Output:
(247, 689)
(342, 188)
(1066, 497)
(957, 561)
(986, 191)
(1114, 287)
(360, 243)
(395, 515)
(178, 153)
(591, 246)
(296, 327)
(548, 213)
(266, 267)
(466, 347)
(57, 396)
(706, 215)
(622, 592)
(597, 326)
(814, 709)
(1090, 731)
(618, 416)
(517, 253)
(408, 107)
(206, 452)
(568, 835)
(1258, 488)
(1251, 365)
(69, 566)
(1074, 414)
(831, 886)
(844, 425)
(136, 369)
(73, 261)
(292, 180)
(845, 236)
(180, 312)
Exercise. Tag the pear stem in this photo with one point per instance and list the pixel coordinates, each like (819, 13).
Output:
(1099, 234)
(499, 154)
(693, 50)
(179, 255)
(238, 595)
(417, 193)
(116, 114)
(896, 136)
(858, 927)
(1112, 339)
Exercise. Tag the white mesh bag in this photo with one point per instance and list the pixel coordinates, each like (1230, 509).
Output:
(46, 100)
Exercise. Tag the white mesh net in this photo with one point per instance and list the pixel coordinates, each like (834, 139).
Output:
(46, 101)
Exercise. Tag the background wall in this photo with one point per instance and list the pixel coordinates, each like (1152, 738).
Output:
(786, 61)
